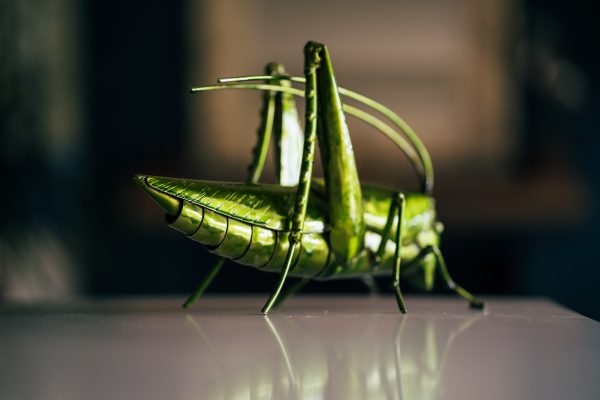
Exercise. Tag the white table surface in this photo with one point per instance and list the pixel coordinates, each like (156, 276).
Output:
(311, 348)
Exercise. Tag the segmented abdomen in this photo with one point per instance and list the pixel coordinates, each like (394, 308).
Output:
(250, 244)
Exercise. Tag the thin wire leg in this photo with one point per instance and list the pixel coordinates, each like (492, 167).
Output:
(308, 156)
(212, 273)
(286, 268)
(473, 301)
(397, 255)
(291, 291)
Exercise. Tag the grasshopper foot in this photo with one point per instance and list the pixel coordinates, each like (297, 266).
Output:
(477, 305)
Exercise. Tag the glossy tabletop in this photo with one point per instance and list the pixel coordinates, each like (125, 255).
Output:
(311, 348)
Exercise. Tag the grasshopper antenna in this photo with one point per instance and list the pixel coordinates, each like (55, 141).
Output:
(423, 154)
(418, 156)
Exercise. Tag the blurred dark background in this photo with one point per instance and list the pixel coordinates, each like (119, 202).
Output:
(504, 94)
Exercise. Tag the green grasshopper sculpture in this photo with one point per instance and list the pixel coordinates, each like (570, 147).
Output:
(304, 227)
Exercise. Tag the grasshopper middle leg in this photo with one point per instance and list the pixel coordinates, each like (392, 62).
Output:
(400, 202)
(396, 210)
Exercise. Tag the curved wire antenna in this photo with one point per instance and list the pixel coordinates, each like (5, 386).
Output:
(417, 153)
(388, 131)
(391, 115)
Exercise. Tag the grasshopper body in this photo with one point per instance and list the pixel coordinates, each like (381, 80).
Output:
(304, 227)
(247, 223)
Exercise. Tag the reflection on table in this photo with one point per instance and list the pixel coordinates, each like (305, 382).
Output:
(377, 357)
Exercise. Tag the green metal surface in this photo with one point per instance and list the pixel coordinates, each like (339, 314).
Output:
(327, 228)
(344, 198)
(270, 206)
(261, 248)
(236, 208)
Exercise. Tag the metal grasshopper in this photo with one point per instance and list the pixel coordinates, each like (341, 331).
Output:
(304, 227)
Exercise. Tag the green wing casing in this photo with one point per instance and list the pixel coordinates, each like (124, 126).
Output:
(247, 223)
(250, 224)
